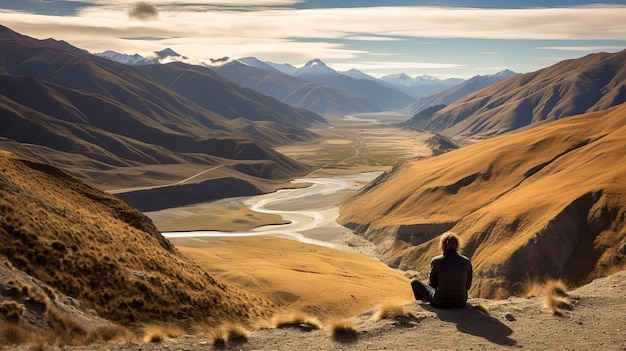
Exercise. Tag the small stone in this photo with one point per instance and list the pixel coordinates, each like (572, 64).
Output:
(509, 316)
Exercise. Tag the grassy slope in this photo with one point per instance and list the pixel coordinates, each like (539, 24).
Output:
(545, 202)
(91, 246)
(320, 281)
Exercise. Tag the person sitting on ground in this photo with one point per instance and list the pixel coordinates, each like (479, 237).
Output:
(450, 277)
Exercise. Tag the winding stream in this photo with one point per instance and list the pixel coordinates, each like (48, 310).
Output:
(310, 211)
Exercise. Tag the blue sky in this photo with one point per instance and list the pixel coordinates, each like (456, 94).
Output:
(439, 38)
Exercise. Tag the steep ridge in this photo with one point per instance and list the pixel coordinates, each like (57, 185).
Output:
(97, 249)
(205, 87)
(546, 202)
(325, 100)
(456, 92)
(591, 83)
(89, 115)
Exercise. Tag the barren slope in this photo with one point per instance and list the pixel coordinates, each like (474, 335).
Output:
(547, 202)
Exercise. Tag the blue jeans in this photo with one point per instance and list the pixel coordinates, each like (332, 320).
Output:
(422, 291)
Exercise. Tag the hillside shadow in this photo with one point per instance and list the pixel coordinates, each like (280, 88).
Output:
(471, 320)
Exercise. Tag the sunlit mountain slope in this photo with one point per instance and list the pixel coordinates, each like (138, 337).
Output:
(591, 83)
(546, 202)
(93, 247)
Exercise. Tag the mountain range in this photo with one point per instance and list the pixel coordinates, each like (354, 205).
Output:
(591, 83)
(89, 115)
(316, 86)
(456, 92)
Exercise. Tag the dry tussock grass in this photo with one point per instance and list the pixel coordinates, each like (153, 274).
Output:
(342, 329)
(11, 311)
(390, 311)
(74, 238)
(157, 332)
(107, 333)
(227, 331)
(555, 297)
(553, 291)
(13, 334)
(295, 319)
(531, 287)
(235, 331)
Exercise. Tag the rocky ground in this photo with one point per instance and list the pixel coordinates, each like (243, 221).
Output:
(595, 321)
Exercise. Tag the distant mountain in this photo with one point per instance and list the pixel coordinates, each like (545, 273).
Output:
(315, 69)
(254, 62)
(284, 68)
(355, 73)
(90, 115)
(419, 86)
(384, 97)
(547, 202)
(292, 90)
(215, 93)
(137, 60)
(450, 95)
(591, 83)
(132, 60)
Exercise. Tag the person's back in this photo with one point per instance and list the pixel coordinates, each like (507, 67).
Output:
(450, 277)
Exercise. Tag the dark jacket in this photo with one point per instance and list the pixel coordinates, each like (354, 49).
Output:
(451, 276)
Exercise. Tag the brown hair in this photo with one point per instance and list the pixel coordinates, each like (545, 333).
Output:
(449, 242)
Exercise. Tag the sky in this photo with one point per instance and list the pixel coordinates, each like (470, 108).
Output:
(444, 39)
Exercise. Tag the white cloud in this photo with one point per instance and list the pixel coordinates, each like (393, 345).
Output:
(214, 29)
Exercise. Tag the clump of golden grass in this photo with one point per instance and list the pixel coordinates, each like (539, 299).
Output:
(296, 319)
(108, 332)
(227, 331)
(342, 329)
(69, 332)
(158, 332)
(11, 311)
(555, 297)
(390, 311)
(12, 334)
(235, 331)
(531, 287)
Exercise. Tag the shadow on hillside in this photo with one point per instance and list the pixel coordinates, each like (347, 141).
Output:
(471, 320)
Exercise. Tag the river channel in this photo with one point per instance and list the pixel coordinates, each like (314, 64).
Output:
(311, 211)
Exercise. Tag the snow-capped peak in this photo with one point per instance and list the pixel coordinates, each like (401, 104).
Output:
(315, 68)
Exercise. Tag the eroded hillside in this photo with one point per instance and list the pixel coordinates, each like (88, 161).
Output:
(93, 247)
(547, 202)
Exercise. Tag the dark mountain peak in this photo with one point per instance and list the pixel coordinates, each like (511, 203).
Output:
(166, 53)
(4, 29)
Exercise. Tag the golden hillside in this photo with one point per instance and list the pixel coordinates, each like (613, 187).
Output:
(91, 246)
(547, 202)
